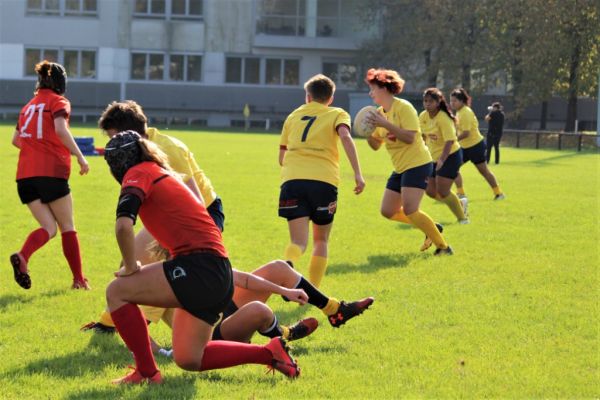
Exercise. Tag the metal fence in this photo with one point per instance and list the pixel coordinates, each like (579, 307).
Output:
(550, 140)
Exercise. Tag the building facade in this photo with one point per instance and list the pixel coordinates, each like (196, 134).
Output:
(197, 61)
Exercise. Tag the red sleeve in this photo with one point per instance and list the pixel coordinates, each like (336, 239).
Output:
(137, 181)
(60, 108)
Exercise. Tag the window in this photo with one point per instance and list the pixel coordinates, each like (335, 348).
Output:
(276, 71)
(343, 74)
(63, 7)
(169, 9)
(181, 67)
(78, 63)
(281, 17)
(282, 72)
(246, 67)
(185, 68)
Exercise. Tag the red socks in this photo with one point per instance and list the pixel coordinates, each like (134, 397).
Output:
(70, 246)
(35, 240)
(132, 327)
(224, 354)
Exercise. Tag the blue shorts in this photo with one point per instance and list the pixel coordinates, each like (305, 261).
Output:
(475, 154)
(308, 198)
(414, 177)
(450, 167)
(215, 210)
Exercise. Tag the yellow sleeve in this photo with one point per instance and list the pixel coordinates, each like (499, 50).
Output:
(422, 120)
(343, 118)
(409, 119)
(179, 159)
(446, 126)
(464, 123)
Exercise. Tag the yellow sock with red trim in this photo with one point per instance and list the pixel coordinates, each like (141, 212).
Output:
(426, 224)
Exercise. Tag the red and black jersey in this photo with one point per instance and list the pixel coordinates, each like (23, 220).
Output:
(171, 212)
(42, 153)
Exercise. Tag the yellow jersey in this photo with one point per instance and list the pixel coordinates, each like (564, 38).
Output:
(467, 121)
(404, 156)
(438, 130)
(310, 136)
(182, 161)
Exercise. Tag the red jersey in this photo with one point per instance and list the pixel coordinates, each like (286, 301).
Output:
(42, 153)
(171, 212)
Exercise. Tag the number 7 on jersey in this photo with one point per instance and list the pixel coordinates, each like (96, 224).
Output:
(310, 122)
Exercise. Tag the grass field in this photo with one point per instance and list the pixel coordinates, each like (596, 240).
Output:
(514, 314)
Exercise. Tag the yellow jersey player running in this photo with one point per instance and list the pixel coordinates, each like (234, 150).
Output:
(398, 128)
(310, 171)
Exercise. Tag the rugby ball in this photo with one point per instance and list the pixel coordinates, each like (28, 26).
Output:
(361, 126)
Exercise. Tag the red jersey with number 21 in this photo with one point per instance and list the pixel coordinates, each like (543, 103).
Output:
(171, 212)
(42, 152)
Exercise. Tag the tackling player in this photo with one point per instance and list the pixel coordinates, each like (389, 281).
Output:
(310, 171)
(197, 281)
(46, 144)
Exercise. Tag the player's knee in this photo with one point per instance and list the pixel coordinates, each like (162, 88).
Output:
(51, 229)
(431, 193)
(187, 362)
(261, 312)
(387, 213)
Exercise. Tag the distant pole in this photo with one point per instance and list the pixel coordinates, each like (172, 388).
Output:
(598, 113)
(246, 116)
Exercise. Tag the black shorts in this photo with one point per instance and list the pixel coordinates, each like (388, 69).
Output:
(307, 198)
(450, 167)
(44, 188)
(202, 282)
(414, 177)
(215, 210)
(475, 154)
(229, 310)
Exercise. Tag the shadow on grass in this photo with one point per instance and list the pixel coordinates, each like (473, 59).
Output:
(545, 161)
(179, 387)
(374, 264)
(8, 299)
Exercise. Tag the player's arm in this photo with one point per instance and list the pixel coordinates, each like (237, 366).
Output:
(282, 150)
(62, 130)
(404, 135)
(444, 155)
(343, 132)
(463, 135)
(129, 205)
(15, 140)
(374, 142)
(256, 283)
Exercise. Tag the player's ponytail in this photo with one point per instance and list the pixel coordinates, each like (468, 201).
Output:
(51, 76)
(462, 95)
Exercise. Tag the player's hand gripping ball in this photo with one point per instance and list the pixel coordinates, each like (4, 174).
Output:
(362, 125)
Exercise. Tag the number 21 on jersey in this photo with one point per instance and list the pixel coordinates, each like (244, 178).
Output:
(29, 115)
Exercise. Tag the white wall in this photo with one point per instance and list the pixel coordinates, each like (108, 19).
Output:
(11, 60)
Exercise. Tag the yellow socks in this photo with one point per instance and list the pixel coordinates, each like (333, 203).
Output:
(285, 331)
(401, 217)
(292, 252)
(497, 190)
(460, 190)
(106, 319)
(426, 224)
(455, 205)
(316, 269)
(332, 306)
